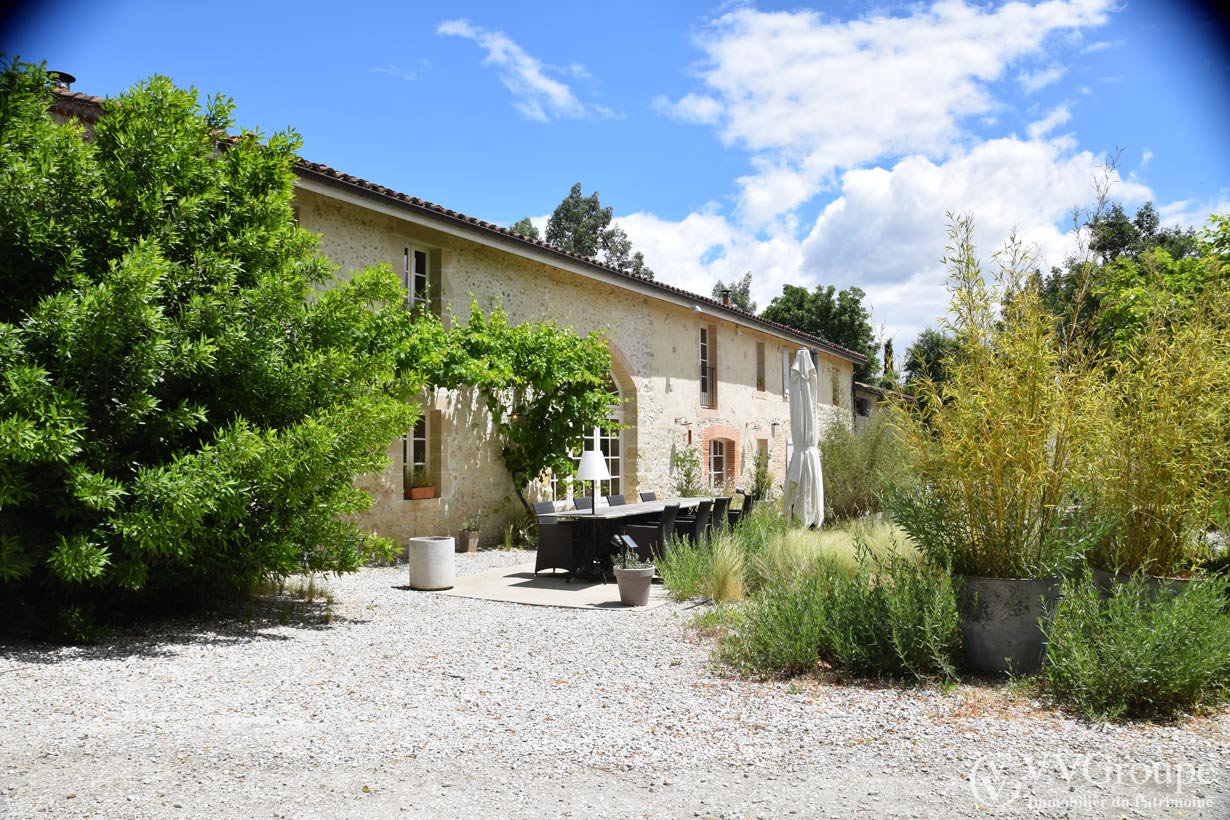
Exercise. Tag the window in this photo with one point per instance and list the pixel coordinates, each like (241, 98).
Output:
(414, 457)
(718, 462)
(760, 368)
(708, 382)
(415, 267)
(785, 374)
(611, 445)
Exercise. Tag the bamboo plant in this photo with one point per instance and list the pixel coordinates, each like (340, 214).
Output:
(993, 445)
(1160, 458)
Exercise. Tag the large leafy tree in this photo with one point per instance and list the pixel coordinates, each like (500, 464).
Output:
(836, 316)
(182, 407)
(1101, 295)
(581, 225)
(927, 360)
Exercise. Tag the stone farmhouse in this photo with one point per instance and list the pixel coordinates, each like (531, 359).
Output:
(688, 370)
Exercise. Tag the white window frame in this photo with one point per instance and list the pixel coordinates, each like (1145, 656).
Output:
(718, 455)
(413, 445)
(611, 443)
(416, 279)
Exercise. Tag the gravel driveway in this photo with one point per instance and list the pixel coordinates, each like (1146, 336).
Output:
(413, 704)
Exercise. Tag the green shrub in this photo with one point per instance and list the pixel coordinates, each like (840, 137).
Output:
(726, 570)
(1137, 654)
(1160, 453)
(686, 472)
(685, 569)
(860, 464)
(762, 476)
(779, 633)
(182, 409)
(890, 618)
(994, 445)
(893, 618)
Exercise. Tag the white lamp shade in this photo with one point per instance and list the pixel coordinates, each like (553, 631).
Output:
(592, 467)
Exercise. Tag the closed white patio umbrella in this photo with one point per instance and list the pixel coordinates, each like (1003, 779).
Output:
(804, 496)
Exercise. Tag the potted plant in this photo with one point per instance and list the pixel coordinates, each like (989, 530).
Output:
(633, 576)
(992, 450)
(421, 485)
(471, 528)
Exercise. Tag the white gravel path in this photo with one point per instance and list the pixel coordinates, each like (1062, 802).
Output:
(412, 704)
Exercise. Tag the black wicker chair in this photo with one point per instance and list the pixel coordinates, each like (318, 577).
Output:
(718, 522)
(615, 500)
(649, 496)
(743, 512)
(696, 527)
(651, 539)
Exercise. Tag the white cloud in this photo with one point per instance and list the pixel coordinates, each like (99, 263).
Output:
(1057, 117)
(1101, 45)
(397, 71)
(809, 97)
(537, 96)
(1033, 81)
(1188, 213)
(886, 232)
(694, 253)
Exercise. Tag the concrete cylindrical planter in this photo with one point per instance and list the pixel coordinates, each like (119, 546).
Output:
(634, 585)
(1106, 582)
(431, 562)
(1001, 622)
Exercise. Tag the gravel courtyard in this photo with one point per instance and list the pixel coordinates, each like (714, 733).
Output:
(414, 704)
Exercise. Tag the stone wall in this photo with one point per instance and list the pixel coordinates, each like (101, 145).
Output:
(655, 349)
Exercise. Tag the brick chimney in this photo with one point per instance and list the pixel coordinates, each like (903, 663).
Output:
(726, 298)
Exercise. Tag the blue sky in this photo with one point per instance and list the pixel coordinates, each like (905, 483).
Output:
(809, 144)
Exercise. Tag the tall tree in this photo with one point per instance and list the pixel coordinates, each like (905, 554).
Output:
(740, 292)
(1096, 297)
(838, 317)
(182, 411)
(526, 228)
(928, 357)
(581, 225)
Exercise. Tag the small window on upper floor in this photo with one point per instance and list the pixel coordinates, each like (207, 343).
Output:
(708, 367)
(416, 276)
(760, 367)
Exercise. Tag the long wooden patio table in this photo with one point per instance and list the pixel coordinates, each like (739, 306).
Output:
(603, 521)
(637, 510)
